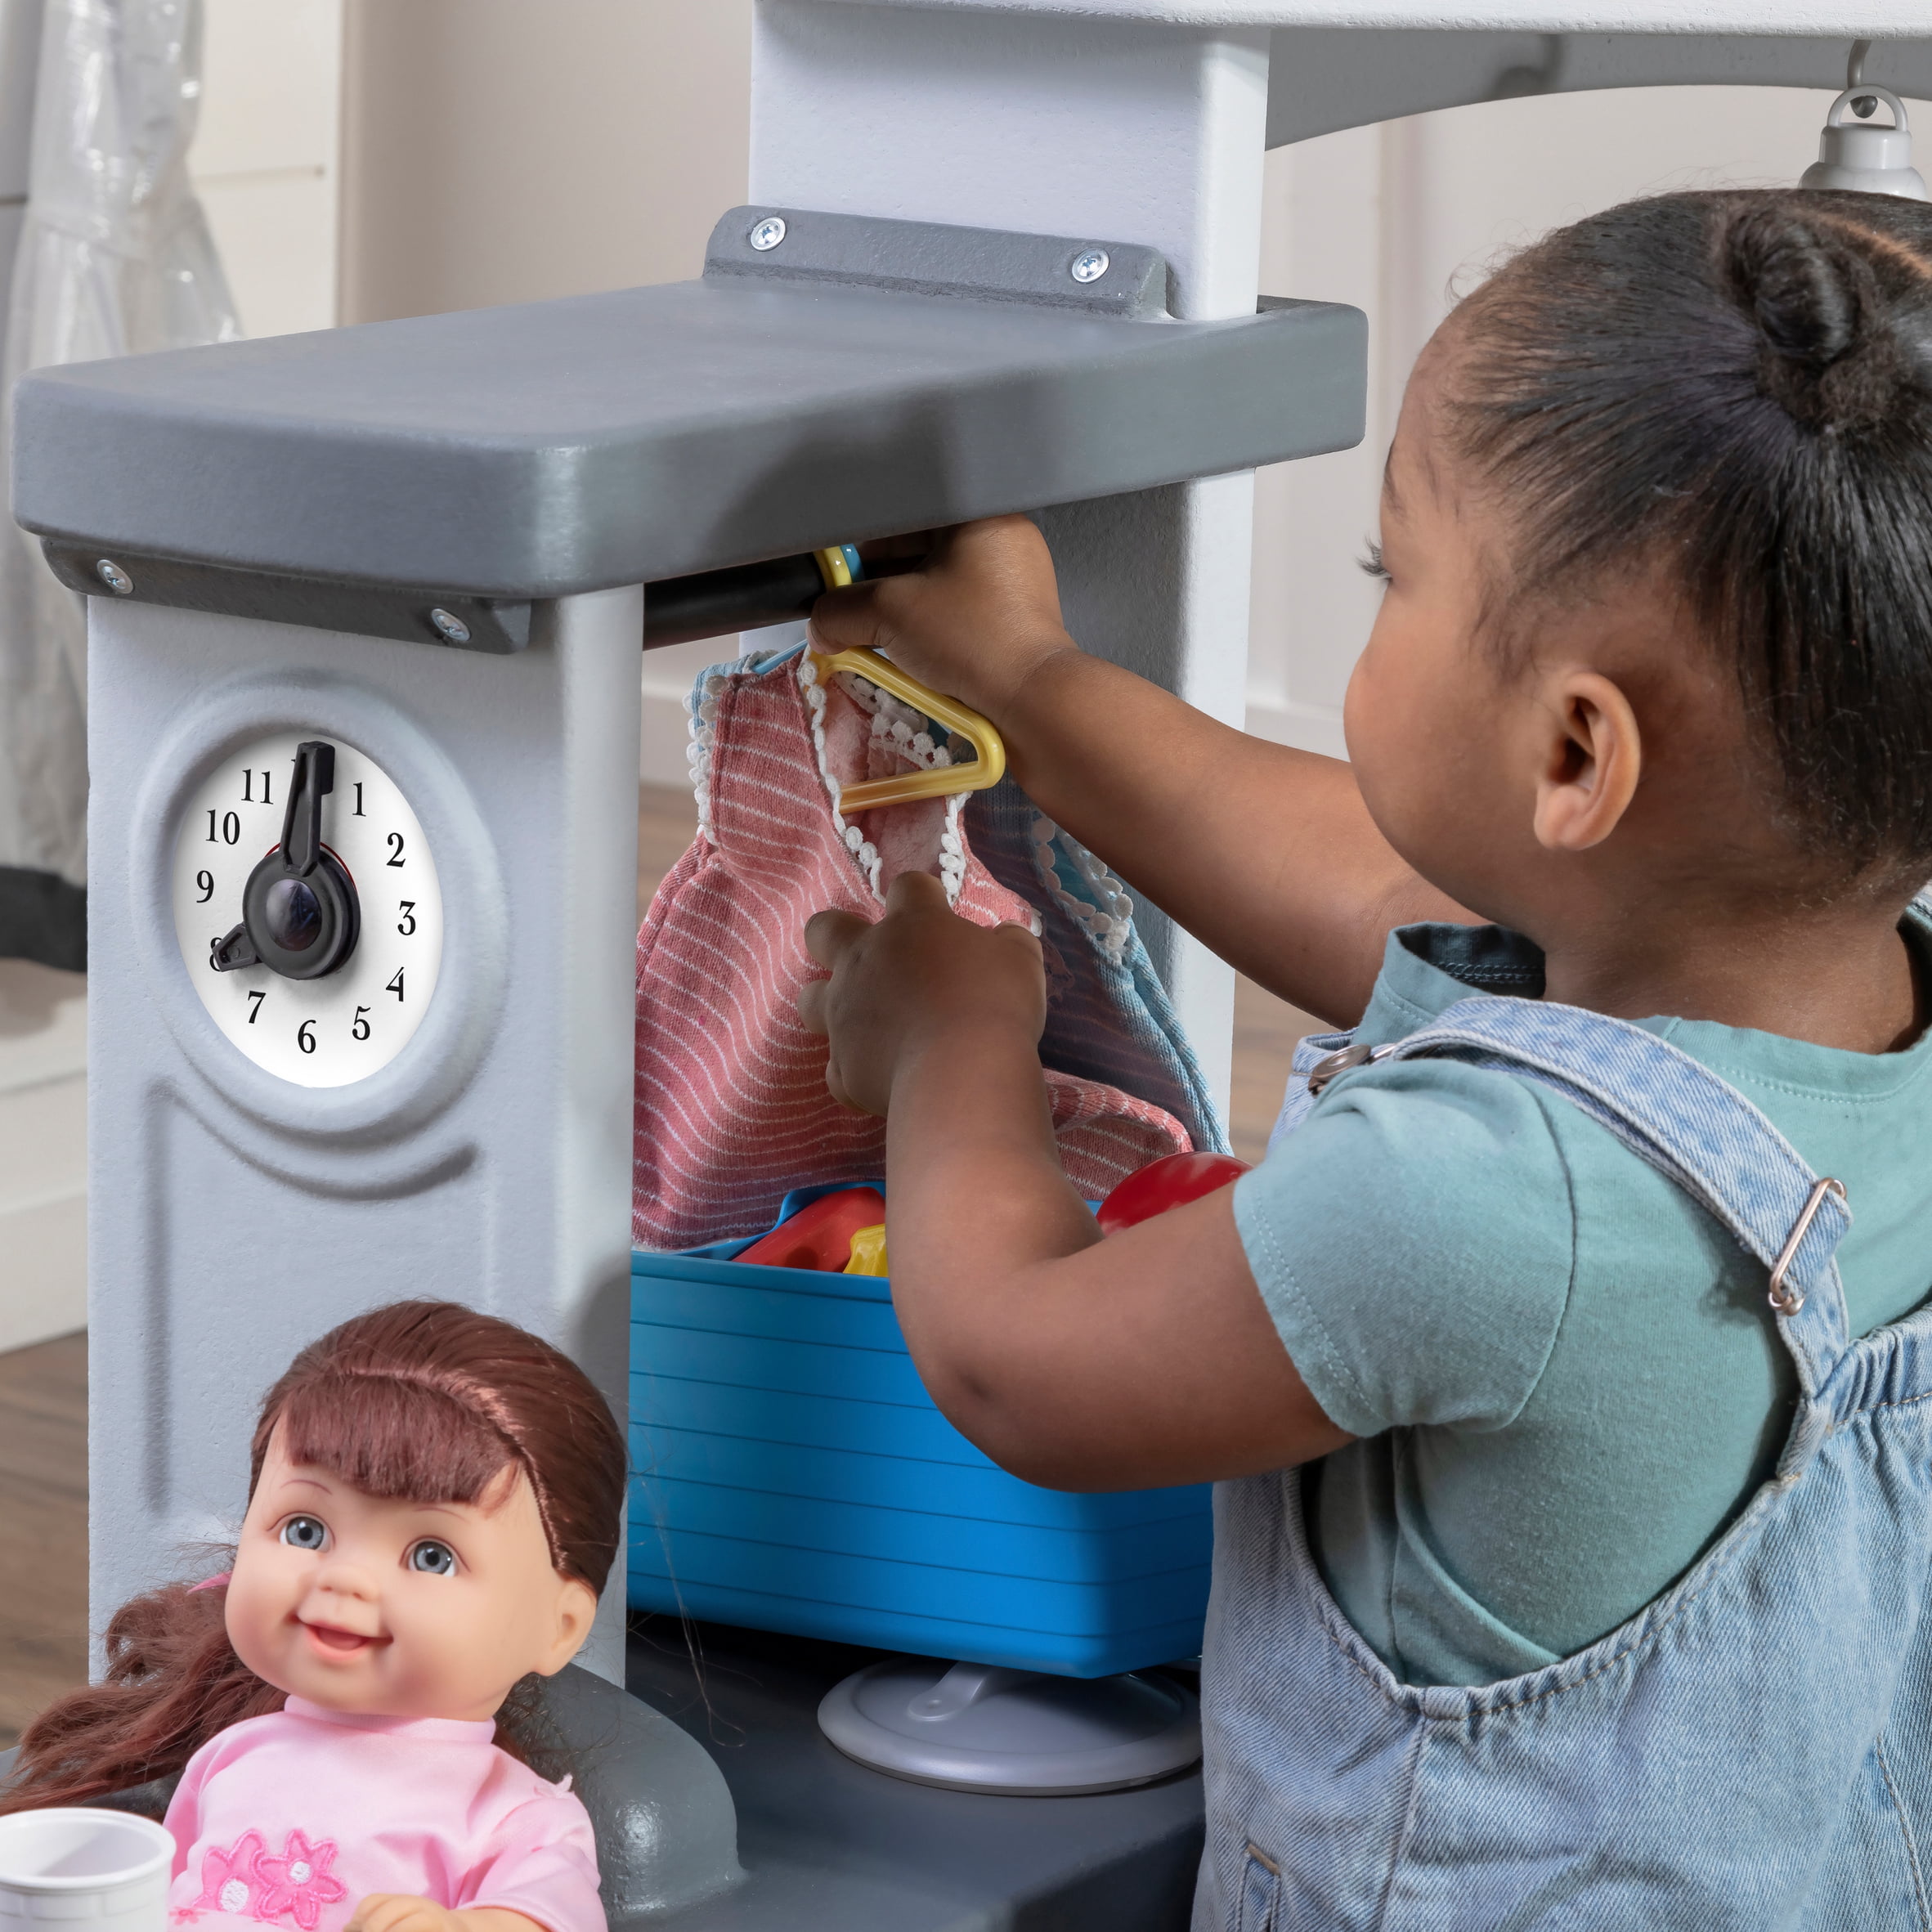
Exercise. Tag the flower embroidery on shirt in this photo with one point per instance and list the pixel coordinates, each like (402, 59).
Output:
(228, 1882)
(297, 1880)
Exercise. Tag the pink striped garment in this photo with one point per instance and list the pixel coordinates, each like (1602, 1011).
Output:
(732, 1111)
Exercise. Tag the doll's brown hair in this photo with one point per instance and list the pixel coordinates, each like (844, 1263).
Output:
(426, 1402)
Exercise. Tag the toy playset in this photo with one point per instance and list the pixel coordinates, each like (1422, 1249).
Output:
(365, 612)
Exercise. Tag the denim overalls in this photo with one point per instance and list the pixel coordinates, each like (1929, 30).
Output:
(1752, 1751)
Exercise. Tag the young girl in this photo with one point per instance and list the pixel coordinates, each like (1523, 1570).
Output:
(1573, 1525)
(433, 1506)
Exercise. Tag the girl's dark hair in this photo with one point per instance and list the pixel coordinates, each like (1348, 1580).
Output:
(1734, 389)
(427, 1402)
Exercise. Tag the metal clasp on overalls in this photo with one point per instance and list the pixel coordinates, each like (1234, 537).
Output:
(1344, 1060)
(1788, 1301)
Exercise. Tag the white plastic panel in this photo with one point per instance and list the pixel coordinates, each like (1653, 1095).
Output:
(1867, 18)
(233, 1215)
(1059, 126)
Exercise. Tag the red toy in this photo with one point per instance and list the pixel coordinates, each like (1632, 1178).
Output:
(1171, 1181)
(820, 1234)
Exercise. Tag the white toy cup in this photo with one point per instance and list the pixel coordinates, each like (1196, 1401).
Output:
(89, 1870)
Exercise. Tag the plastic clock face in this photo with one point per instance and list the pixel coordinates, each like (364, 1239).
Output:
(344, 1025)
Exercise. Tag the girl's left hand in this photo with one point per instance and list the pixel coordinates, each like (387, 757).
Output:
(919, 979)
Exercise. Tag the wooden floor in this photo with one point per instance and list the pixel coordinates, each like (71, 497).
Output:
(43, 1526)
(43, 1390)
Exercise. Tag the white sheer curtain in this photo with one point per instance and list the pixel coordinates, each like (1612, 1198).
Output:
(115, 258)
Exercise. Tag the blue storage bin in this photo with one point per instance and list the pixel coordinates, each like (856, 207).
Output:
(791, 1473)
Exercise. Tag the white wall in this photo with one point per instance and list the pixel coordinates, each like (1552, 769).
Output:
(499, 150)
(265, 157)
(496, 151)
(43, 1278)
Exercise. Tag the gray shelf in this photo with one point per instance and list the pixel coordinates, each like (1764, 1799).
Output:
(869, 377)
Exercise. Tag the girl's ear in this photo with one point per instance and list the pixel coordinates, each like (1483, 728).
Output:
(1591, 759)
(576, 1610)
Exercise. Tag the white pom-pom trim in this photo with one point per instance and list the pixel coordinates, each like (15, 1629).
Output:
(900, 735)
(701, 707)
(1109, 922)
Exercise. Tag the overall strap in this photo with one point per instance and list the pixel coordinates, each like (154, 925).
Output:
(1312, 1052)
(1694, 1128)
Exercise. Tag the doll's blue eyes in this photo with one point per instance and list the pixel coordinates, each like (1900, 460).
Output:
(310, 1533)
(305, 1532)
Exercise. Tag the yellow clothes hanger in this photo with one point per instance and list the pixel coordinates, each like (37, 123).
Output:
(989, 754)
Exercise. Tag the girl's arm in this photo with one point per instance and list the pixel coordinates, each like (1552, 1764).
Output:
(1143, 1360)
(1266, 855)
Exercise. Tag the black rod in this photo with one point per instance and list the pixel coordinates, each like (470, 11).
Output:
(744, 598)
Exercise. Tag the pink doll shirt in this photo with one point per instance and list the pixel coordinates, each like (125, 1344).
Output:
(292, 1819)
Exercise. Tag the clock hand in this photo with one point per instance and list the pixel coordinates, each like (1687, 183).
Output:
(302, 824)
(233, 951)
(299, 913)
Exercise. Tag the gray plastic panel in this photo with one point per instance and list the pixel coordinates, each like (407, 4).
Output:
(369, 610)
(535, 451)
(828, 1845)
(667, 1834)
(938, 258)
(745, 597)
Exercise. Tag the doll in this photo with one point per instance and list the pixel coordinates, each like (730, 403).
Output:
(433, 1506)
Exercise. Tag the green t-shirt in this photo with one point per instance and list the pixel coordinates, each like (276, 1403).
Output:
(1564, 1372)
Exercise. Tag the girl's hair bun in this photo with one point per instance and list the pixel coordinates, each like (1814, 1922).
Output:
(1814, 286)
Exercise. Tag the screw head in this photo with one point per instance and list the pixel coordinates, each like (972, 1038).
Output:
(1089, 264)
(116, 579)
(450, 625)
(767, 233)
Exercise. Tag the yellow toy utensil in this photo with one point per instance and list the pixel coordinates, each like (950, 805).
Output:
(989, 761)
(868, 1250)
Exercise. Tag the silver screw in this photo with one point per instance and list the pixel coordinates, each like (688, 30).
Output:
(116, 579)
(1090, 265)
(767, 233)
(451, 626)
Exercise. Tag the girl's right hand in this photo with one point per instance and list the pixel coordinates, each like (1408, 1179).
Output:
(974, 619)
(1266, 854)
